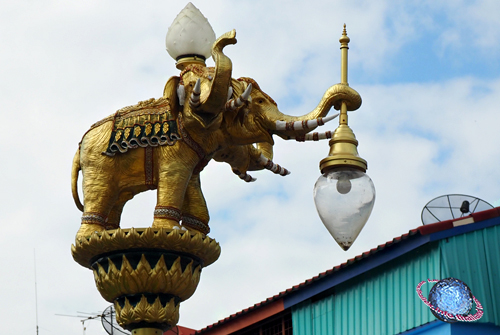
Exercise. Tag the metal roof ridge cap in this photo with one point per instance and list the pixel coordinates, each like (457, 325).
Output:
(460, 229)
(449, 224)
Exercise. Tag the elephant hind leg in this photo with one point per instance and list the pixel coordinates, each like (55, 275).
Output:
(91, 222)
(194, 211)
(96, 222)
(194, 223)
(113, 221)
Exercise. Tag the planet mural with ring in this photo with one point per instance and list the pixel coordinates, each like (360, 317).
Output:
(451, 300)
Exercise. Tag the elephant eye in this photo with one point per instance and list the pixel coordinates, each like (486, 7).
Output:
(260, 101)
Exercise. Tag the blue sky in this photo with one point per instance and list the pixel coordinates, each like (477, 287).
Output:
(421, 61)
(428, 74)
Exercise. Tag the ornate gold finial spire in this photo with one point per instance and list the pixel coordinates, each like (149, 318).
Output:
(344, 41)
(343, 145)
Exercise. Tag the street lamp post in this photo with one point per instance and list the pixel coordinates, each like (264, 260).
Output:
(344, 194)
(164, 144)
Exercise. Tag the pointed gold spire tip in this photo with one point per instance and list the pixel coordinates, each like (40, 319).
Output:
(344, 39)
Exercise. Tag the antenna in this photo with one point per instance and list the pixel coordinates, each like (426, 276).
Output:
(452, 206)
(108, 319)
(92, 316)
(36, 294)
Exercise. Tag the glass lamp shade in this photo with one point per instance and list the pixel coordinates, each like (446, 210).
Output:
(190, 34)
(344, 200)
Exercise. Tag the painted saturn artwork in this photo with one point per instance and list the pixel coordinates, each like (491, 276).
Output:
(451, 300)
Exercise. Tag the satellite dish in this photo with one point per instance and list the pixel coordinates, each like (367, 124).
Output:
(108, 319)
(452, 206)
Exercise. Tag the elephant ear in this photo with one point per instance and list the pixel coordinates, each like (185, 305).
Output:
(170, 92)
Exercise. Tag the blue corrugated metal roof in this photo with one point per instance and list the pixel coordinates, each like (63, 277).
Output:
(389, 251)
(475, 259)
(376, 257)
(382, 301)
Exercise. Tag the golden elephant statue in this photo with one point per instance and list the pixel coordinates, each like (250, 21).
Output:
(164, 143)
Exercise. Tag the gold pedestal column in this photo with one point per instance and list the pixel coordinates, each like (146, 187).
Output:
(146, 272)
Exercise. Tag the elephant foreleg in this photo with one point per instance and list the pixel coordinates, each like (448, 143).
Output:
(194, 211)
(175, 166)
(170, 195)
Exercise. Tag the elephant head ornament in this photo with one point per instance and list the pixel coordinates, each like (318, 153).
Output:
(164, 143)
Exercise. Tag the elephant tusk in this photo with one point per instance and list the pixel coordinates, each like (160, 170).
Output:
(275, 168)
(194, 101)
(234, 104)
(244, 97)
(181, 94)
(303, 125)
(313, 136)
(229, 93)
(244, 176)
(230, 105)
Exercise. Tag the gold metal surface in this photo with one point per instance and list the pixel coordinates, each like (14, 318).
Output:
(147, 331)
(120, 281)
(343, 145)
(185, 61)
(147, 312)
(160, 279)
(344, 46)
(202, 133)
(164, 144)
(115, 283)
(201, 246)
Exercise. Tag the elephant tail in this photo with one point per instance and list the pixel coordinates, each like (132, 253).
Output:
(75, 169)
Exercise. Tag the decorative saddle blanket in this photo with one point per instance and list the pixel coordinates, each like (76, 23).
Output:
(149, 123)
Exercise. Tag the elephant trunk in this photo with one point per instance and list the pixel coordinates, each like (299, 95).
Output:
(263, 159)
(255, 153)
(332, 98)
(217, 97)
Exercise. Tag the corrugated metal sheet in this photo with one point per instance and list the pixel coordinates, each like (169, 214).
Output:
(407, 243)
(475, 259)
(382, 301)
(492, 247)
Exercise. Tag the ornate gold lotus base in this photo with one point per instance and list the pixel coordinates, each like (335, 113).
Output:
(146, 272)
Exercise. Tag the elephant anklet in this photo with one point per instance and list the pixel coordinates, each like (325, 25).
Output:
(167, 212)
(195, 223)
(97, 219)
